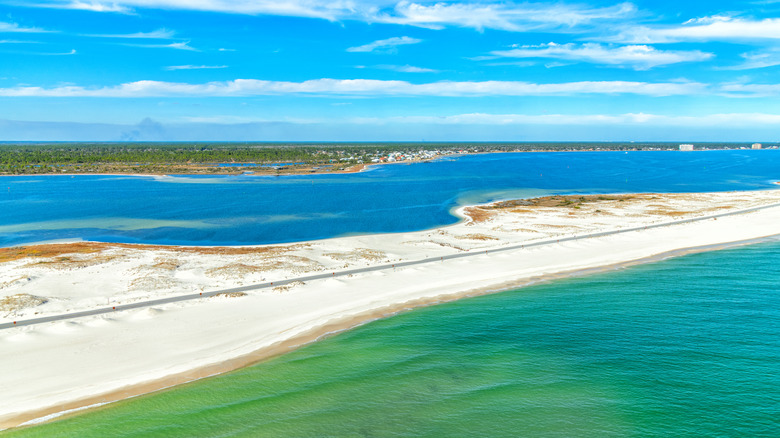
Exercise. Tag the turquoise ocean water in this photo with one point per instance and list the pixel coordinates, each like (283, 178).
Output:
(686, 347)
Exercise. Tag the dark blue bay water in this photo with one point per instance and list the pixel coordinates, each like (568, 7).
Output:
(246, 209)
(688, 347)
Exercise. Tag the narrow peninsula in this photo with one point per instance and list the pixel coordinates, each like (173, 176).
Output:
(77, 362)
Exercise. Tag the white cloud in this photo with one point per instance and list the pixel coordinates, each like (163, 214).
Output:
(384, 44)
(155, 34)
(714, 120)
(194, 67)
(96, 6)
(477, 14)
(362, 87)
(18, 42)
(326, 9)
(500, 15)
(709, 20)
(717, 28)
(640, 57)
(179, 46)
(14, 27)
(71, 52)
(751, 90)
(407, 69)
(635, 119)
(759, 59)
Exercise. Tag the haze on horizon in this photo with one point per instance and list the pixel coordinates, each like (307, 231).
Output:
(376, 70)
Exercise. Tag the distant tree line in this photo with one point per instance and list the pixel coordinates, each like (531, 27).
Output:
(96, 157)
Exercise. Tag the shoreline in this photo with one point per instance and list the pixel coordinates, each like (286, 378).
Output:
(357, 168)
(457, 211)
(237, 332)
(334, 328)
(306, 171)
(49, 249)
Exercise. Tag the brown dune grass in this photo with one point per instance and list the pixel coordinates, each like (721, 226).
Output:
(229, 295)
(476, 236)
(20, 301)
(478, 214)
(61, 249)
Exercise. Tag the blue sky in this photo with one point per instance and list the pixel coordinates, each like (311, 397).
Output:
(308, 70)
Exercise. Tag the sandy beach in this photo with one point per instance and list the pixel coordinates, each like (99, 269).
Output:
(55, 367)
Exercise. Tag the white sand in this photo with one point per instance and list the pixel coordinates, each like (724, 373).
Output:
(53, 367)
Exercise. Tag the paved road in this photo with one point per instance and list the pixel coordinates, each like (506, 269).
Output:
(336, 274)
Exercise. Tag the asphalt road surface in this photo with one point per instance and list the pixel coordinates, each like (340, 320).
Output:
(336, 274)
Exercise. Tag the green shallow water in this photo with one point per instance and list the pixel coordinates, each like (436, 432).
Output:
(685, 347)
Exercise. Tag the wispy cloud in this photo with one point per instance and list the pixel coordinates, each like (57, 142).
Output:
(714, 28)
(28, 52)
(722, 119)
(71, 52)
(194, 67)
(326, 9)
(162, 33)
(95, 6)
(14, 27)
(751, 90)
(703, 120)
(639, 57)
(401, 68)
(178, 46)
(758, 59)
(500, 15)
(388, 43)
(477, 14)
(18, 42)
(363, 87)
(407, 68)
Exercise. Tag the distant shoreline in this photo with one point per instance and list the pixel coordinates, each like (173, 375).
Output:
(267, 169)
(352, 169)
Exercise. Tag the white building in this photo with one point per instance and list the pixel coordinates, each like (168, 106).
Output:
(756, 146)
(686, 147)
